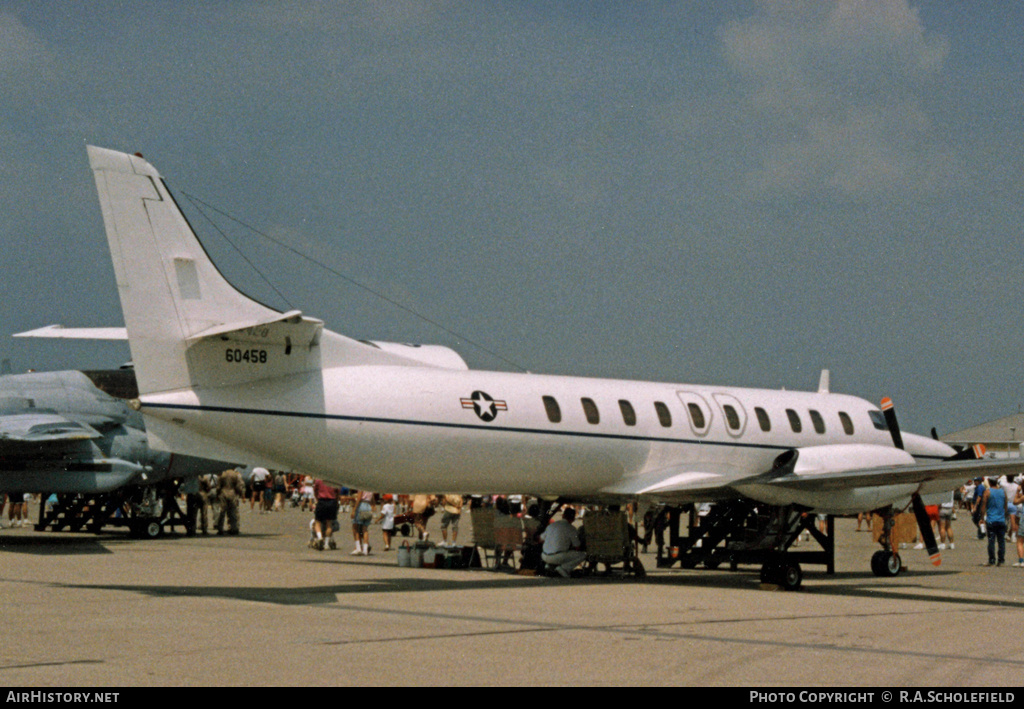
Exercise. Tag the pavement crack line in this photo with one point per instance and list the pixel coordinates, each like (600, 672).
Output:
(660, 631)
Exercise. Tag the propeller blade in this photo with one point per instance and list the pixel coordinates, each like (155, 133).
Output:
(889, 411)
(925, 525)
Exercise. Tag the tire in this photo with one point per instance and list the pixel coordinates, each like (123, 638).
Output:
(886, 564)
(790, 576)
(894, 565)
(151, 528)
(877, 563)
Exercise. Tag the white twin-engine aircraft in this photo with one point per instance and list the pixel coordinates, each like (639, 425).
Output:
(223, 376)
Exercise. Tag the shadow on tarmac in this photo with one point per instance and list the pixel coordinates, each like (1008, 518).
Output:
(319, 595)
(59, 546)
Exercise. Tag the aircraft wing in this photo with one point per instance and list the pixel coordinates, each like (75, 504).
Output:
(699, 483)
(709, 482)
(939, 471)
(41, 427)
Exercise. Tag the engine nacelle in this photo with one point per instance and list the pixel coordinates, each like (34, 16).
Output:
(808, 462)
(845, 456)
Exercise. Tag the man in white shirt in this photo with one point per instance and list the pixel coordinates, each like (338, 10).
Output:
(562, 544)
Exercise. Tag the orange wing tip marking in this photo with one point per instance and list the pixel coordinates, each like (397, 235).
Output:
(980, 450)
(936, 559)
(886, 404)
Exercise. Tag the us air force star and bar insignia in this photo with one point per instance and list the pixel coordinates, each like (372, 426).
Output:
(484, 406)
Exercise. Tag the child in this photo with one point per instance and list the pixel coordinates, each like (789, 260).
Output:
(387, 520)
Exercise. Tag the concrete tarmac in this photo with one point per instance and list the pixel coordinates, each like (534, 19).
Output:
(262, 609)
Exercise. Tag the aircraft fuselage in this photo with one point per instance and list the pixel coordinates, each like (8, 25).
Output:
(410, 429)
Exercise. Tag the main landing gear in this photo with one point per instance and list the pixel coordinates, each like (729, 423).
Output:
(886, 562)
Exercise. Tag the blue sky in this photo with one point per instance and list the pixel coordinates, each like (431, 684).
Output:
(736, 193)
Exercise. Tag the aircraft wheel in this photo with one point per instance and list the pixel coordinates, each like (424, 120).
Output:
(884, 563)
(149, 528)
(791, 576)
(770, 573)
(876, 562)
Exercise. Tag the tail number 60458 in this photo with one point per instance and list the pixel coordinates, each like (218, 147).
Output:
(251, 356)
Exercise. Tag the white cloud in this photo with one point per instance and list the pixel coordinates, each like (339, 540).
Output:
(836, 89)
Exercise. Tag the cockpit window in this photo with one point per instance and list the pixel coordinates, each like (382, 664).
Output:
(878, 420)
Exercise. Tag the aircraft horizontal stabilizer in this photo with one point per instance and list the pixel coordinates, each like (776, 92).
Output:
(59, 332)
(280, 329)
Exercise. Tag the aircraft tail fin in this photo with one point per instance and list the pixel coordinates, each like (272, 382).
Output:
(188, 327)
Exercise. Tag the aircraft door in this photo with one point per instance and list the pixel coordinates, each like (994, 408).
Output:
(698, 413)
(733, 413)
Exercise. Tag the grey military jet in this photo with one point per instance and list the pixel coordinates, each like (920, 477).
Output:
(61, 434)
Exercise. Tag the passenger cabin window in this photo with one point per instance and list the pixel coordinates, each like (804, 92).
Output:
(847, 422)
(878, 420)
(664, 415)
(794, 421)
(732, 419)
(763, 420)
(628, 414)
(590, 410)
(553, 410)
(817, 421)
(696, 415)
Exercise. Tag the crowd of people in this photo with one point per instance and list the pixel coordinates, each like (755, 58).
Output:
(213, 501)
(414, 511)
(996, 506)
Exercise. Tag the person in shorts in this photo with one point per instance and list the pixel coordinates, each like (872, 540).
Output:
(946, 511)
(362, 516)
(387, 520)
(452, 512)
(325, 516)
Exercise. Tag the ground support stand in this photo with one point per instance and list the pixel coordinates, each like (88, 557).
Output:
(146, 512)
(743, 532)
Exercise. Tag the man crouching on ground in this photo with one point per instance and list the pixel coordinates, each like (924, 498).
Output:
(562, 544)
